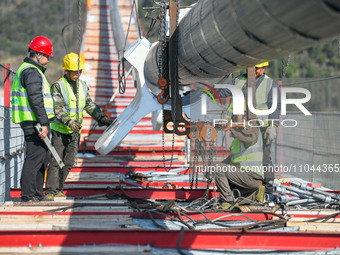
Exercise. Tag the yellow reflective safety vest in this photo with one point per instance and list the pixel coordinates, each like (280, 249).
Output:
(21, 110)
(70, 104)
(240, 81)
(262, 92)
(247, 159)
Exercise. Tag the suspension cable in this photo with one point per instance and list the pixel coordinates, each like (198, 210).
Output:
(76, 135)
(284, 67)
(62, 35)
(136, 19)
(121, 63)
(312, 81)
(79, 45)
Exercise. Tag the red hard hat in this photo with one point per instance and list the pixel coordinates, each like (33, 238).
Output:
(41, 44)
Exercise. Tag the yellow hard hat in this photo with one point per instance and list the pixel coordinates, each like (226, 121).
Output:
(71, 62)
(264, 64)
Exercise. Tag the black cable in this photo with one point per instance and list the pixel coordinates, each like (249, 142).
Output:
(114, 192)
(311, 81)
(182, 221)
(192, 220)
(154, 221)
(166, 215)
(136, 17)
(8, 69)
(128, 30)
(152, 25)
(178, 244)
(121, 75)
(121, 63)
(62, 35)
(324, 217)
(121, 188)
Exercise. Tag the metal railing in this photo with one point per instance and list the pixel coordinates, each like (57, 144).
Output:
(310, 150)
(11, 153)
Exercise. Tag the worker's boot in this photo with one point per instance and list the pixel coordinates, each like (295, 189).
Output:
(48, 197)
(225, 205)
(60, 194)
(229, 205)
(260, 194)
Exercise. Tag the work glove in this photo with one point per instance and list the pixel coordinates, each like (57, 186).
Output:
(74, 125)
(270, 134)
(104, 121)
(248, 136)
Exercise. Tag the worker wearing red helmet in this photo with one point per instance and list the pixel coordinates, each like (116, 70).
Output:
(31, 104)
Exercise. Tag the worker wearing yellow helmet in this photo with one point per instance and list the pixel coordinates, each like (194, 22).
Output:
(68, 120)
(260, 69)
(264, 64)
(264, 99)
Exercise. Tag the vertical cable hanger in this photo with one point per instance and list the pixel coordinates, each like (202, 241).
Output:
(76, 134)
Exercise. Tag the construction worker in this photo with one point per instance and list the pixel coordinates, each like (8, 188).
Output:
(264, 87)
(66, 128)
(31, 104)
(242, 170)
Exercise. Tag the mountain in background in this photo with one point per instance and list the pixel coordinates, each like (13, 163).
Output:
(22, 20)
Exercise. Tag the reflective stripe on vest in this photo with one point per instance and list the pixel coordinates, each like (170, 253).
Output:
(70, 105)
(249, 159)
(21, 109)
(262, 92)
(239, 82)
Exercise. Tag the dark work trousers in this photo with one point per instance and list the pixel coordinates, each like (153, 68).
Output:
(65, 147)
(246, 183)
(37, 157)
(269, 174)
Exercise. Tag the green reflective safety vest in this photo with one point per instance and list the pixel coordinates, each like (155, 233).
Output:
(248, 159)
(70, 106)
(262, 92)
(21, 110)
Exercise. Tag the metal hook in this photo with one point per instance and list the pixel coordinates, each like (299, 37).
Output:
(159, 98)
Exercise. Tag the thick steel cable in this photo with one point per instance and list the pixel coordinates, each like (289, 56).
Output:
(121, 65)
(312, 81)
(178, 244)
(8, 69)
(162, 65)
(79, 45)
(136, 19)
(76, 135)
(62, 35)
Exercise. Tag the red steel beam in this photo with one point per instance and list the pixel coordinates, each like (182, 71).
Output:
(158, 194)
(144, 215)
(120, 169)
(7, 86)
(202, 239)
(144, 184)
(195, 216)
